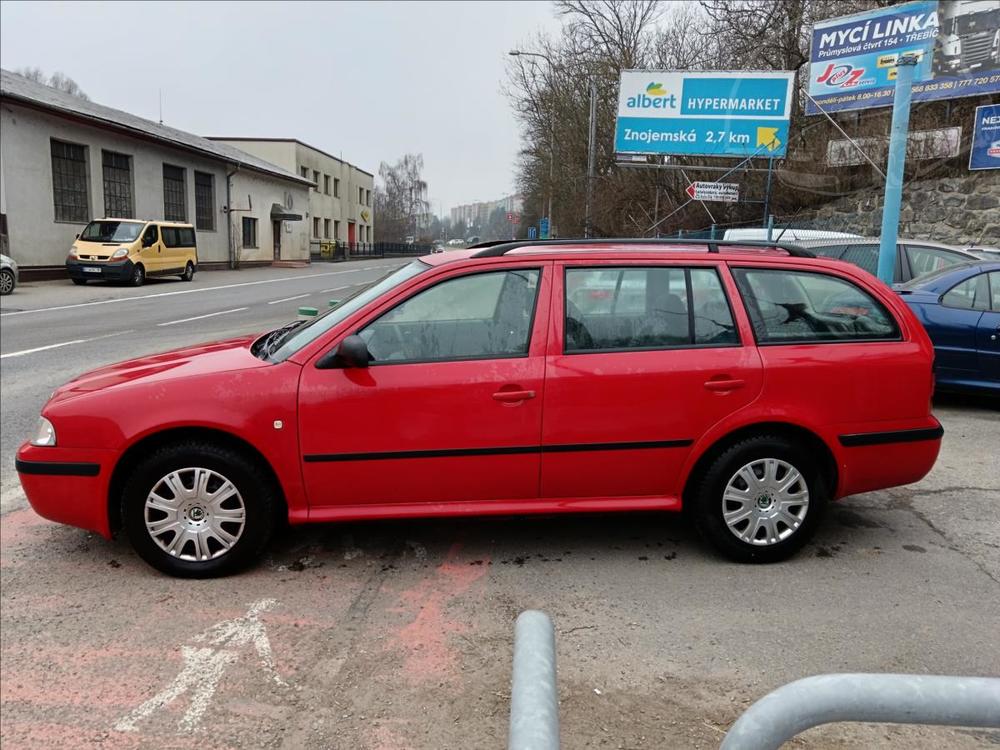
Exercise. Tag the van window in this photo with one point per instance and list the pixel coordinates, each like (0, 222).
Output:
(178, 236)
(149, 236)
(803, 307)
(111, 231)
(169, 236)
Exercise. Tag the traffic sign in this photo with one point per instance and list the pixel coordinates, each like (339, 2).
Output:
(532, 233)
(513, 218)
(721, 113)
(726, 192)
(543, 228)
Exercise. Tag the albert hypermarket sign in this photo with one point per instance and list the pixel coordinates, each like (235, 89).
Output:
(717, 113)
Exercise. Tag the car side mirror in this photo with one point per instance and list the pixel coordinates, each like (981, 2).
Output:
(352, 352)
(77, 235)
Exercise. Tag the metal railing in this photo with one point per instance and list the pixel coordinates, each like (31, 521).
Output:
(334, 251)
(775, 718)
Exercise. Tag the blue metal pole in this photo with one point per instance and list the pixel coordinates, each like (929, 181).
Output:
(894, 172)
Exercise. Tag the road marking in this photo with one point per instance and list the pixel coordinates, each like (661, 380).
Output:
(289, 299)
(338, 288)
(64, 343)
(204, 666)
(188, 291)
(201, 317)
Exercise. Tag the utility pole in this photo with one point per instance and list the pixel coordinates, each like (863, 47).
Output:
(588, 226)
(897, 161)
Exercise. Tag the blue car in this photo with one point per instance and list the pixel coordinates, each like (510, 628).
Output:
(960, 308)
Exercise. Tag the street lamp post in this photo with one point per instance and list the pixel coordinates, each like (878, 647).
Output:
(591, 143)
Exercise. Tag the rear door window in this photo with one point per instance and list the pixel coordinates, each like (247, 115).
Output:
(789, 307)
(995, 289)
(635, 308)
(971, 294)
(862, 256)
(928, 259)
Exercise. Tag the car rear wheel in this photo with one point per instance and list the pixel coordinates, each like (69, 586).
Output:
(198, 510)
(760, 500)
(188, 274)
(6, 281)
(79, 282)
(138, 276)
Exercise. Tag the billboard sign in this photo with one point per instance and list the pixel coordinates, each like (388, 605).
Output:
(725, 192)
(737, 113)
(853, 60)
(942, 143)
(985, 152)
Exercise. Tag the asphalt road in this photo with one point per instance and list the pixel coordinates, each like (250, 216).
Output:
(389, 635)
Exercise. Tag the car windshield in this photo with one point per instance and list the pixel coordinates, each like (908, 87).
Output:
(111, 231)
(309, 332)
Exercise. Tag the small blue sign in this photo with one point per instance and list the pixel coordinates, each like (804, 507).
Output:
(543, 228)
(985, 152)
(532, 233)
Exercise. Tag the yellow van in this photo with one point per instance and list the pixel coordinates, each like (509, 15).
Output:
(131, 249)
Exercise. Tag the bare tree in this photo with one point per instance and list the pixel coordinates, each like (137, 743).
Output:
(57, 80)
(400, 198)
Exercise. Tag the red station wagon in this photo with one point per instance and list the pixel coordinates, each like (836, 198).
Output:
(746, 384)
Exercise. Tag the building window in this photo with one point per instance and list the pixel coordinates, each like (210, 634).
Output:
(368, 197)
(326, 229)
(304, 171)
(69, 182)
(117, 170)
(326, 184)
(336, 187)
(361, 196)
(336, 230)
(249, 232)
(315, 226)
(204, 200)
(368, 234)
(316, 179)
(174, 193)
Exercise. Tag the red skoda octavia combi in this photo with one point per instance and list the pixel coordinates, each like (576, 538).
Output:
(748, 385)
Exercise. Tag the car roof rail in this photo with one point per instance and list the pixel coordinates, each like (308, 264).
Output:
(497, 248)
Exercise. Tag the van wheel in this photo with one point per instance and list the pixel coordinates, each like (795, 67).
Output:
(188, 274)
(79, 282)
(761, 500)
(198, 510)
(138, 275)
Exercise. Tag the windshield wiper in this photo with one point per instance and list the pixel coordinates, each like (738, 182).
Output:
(272, 341)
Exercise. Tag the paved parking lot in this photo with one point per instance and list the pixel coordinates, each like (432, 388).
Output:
(398, 634)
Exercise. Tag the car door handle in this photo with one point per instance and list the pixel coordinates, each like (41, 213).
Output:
(724, 384)
(509, 397)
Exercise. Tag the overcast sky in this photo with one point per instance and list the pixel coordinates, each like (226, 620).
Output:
(369, 80)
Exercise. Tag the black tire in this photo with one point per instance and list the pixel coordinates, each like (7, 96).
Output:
(257, 491)
(708, 505)
(138, 275)
(188, 274)
(79, 282)
(6, 281)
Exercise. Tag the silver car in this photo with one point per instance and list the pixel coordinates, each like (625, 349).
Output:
(8, 275)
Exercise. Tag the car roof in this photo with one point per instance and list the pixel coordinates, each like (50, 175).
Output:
(836, 241)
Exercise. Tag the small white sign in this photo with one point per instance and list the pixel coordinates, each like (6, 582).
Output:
(725, 192)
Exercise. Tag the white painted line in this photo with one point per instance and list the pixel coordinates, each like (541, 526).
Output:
(187, 291)
(64, 343)
(338, 288)
(200, 317)
(289, 299)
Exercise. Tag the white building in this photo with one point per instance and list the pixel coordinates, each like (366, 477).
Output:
(340, 203)
(65, 161)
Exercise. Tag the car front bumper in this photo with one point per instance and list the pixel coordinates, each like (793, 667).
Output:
(109, 271)
(68, 485)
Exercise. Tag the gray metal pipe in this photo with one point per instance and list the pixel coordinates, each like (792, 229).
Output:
(883, 698)
(534, 699)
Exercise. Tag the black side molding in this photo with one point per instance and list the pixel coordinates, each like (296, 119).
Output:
(57, 468)
(893, 436)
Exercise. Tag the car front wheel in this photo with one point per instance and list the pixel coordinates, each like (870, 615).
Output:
(138, 276)
(198, 510)
(760, 500)
(6, 281)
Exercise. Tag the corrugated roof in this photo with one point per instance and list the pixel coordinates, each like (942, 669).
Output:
(19, 88)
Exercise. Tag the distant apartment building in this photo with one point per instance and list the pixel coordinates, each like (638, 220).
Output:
(65, 161)
(478, 214)
(340, 202)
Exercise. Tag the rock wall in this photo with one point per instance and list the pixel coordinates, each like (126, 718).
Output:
(956, 210)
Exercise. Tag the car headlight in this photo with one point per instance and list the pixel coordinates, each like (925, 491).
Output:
(45, 433)
(119, 253)
(73, 252)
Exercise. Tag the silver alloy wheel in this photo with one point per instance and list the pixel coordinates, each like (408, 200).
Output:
(195, 514)
(765, 502)
(6, 282)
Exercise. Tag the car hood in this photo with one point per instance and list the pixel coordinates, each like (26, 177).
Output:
(215, 357)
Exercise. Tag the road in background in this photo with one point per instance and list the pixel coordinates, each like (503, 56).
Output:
(50, 332)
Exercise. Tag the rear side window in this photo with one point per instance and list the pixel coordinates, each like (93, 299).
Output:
(863, 256)
(169, 235)
(634, 308)
(995, 289)
(971, 294)
(789, 307)
(927, 259)
(178, 236)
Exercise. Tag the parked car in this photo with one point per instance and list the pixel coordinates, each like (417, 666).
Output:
(960, 308)
(8, 275)
(987, 253)
(128, 250)
(784, 234)
(727, 391)
(913, 257)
